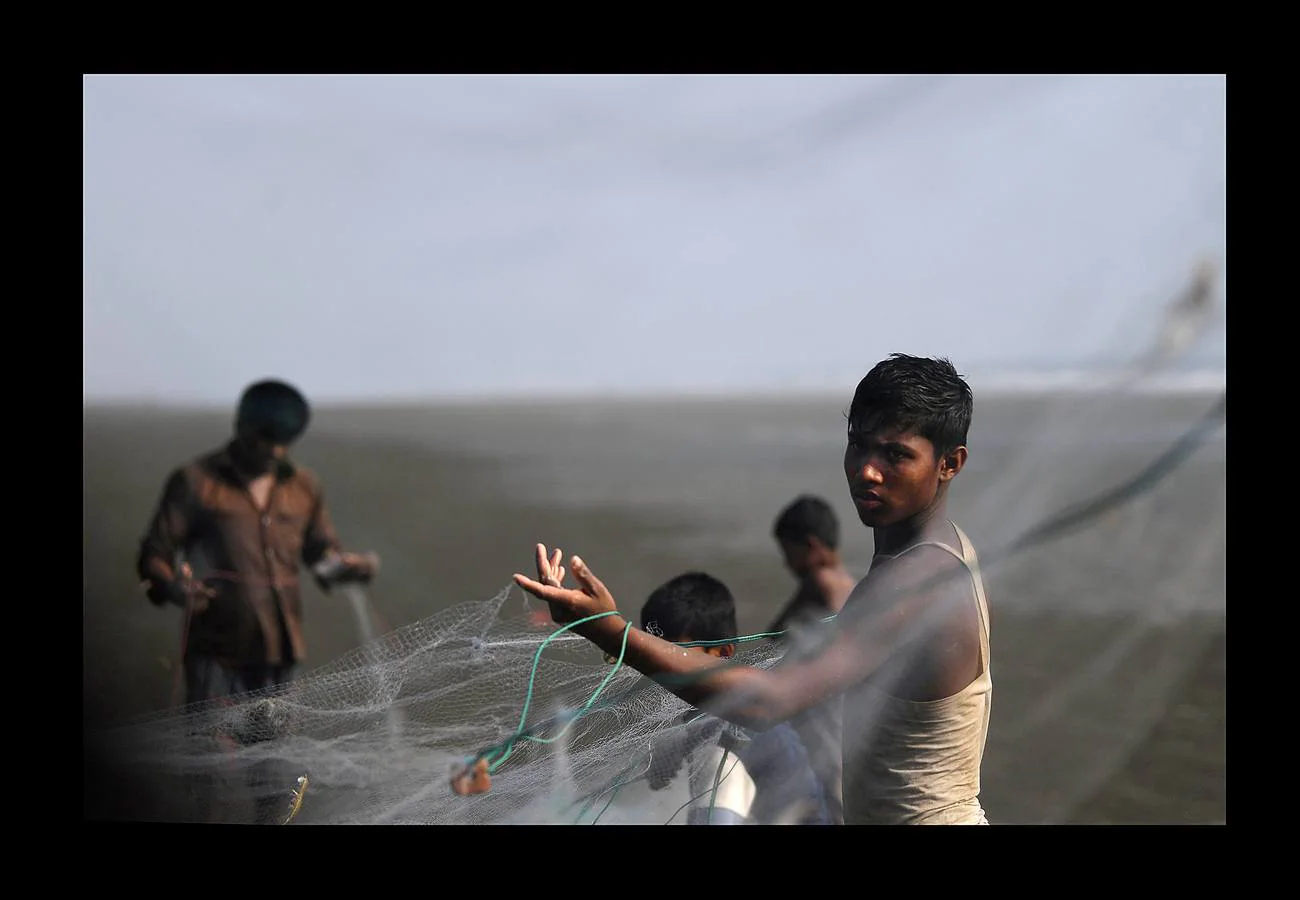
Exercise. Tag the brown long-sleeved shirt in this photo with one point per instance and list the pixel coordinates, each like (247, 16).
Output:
(252, 559)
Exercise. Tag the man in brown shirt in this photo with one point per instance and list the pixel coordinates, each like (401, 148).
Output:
(226, 542)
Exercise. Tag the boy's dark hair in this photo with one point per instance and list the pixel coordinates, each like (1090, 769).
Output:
(808, 516)
(693, 604)
(273, 410)
(917, 394)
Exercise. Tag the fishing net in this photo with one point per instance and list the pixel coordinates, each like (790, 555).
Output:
(570, 736)
(375, 736)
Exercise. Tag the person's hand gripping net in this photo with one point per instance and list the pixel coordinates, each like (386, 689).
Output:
(196, 595)
(183, 591)
(472, 779)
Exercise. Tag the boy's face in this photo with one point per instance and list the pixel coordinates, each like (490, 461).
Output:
(802, 555)
(797, 555)
(893, 473)
(257, 452)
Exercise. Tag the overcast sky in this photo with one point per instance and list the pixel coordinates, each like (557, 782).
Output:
(401, 236)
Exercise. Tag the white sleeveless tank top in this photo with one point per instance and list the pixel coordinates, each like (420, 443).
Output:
(918, 763)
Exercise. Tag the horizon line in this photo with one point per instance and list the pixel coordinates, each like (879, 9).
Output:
(1017, 383)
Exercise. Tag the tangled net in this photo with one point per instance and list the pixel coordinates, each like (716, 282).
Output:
(375, 737)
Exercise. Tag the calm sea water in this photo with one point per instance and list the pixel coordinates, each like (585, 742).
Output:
(730, 465)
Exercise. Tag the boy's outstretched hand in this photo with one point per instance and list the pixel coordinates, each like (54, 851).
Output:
(567, 604)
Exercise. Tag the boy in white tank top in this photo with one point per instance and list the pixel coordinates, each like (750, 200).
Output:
(908, 655)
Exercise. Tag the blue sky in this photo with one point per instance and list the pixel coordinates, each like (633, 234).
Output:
(405, 236)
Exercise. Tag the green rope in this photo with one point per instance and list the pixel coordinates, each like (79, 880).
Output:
(713, 789)
(717, 779)
(506, 747)
(503, 749)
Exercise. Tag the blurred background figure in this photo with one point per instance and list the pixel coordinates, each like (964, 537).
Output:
(249, 518)
(808, 535)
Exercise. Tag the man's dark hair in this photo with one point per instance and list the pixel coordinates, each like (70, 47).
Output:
(693, 604)
(917, 394)
(808, 516)
(274, 410)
